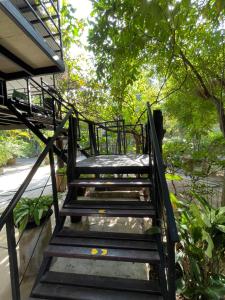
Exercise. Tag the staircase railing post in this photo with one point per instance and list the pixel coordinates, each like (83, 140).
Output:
(119, 137)
(13, 263)
(142, 139)
(171, 269)
(29, 95)
(92, 137)
(158, 120)
(54, 188)
(54, 113)
(72, 161)
(72, 149)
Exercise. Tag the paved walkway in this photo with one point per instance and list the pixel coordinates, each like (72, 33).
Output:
(10, 181)
(13, 177)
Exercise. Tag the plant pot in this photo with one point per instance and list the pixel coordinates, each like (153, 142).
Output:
(28, 242)
(11, 161)
(61, 182)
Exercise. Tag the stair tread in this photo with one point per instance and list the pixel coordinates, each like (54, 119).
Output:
(58, 285)
(103, 239)
(111, 182)
(100, 253)
(66, 231)
(115, 204)
(108, 208)
(113, 170)
(108, 212)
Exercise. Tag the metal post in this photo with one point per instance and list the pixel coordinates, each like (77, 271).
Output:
(142, 139)
(29, 95)
(158, 120)
(54, 189)
(42, 93)
(106, 141)
(54, 113)
(171, 269)
(72, 160)
(13, 264)
(92, 138)
(124, 138)
(72, 149)
(98, 144)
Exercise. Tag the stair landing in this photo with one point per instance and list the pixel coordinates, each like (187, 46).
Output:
(119, 164)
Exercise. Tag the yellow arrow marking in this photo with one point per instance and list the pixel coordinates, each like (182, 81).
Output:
(101, 211)
(94, 251)
(104, 252)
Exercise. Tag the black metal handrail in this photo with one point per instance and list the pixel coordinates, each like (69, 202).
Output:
(161, 199)
(172, 228)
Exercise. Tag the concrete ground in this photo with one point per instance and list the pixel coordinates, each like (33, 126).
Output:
(13, 177)
(10, 181)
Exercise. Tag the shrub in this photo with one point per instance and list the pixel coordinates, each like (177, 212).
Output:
(5, 154)
(201, 249)
(31, 209)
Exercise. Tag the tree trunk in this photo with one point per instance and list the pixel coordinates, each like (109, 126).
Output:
(138, 145)
(218, 103)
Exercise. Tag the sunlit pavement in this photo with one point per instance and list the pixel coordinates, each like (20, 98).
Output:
(13, 177)
(10, 181)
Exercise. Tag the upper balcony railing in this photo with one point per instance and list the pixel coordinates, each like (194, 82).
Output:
(30, 38)
(45, 18)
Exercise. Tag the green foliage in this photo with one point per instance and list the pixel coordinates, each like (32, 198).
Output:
(70, 25)
(5, 155)
(31, 210)
(178, 44)
(61, 171)
(200, 253)
(17, 143)
(200, 156)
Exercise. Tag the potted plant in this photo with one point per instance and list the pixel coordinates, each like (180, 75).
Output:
(61, 179)
(29, 215)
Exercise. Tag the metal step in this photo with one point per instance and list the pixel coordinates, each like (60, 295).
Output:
(138, 209)
(104, 239)
(64, 286)
(114, 247)
(114, 170)
(102, 183)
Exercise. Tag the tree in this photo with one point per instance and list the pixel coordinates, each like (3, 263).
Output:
(180, 43)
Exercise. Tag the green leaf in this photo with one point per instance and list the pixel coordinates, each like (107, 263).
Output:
(195, 269)
(221, 227)
(210, 245)
(36, 217)
(173, 177)
(23, 223)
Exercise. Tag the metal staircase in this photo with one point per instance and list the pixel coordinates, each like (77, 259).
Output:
(114, 169)
(157, 249)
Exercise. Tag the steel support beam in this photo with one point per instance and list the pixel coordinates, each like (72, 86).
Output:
(8, 54)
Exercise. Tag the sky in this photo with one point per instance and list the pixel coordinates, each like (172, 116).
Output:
(83, 7)
(83, 10)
